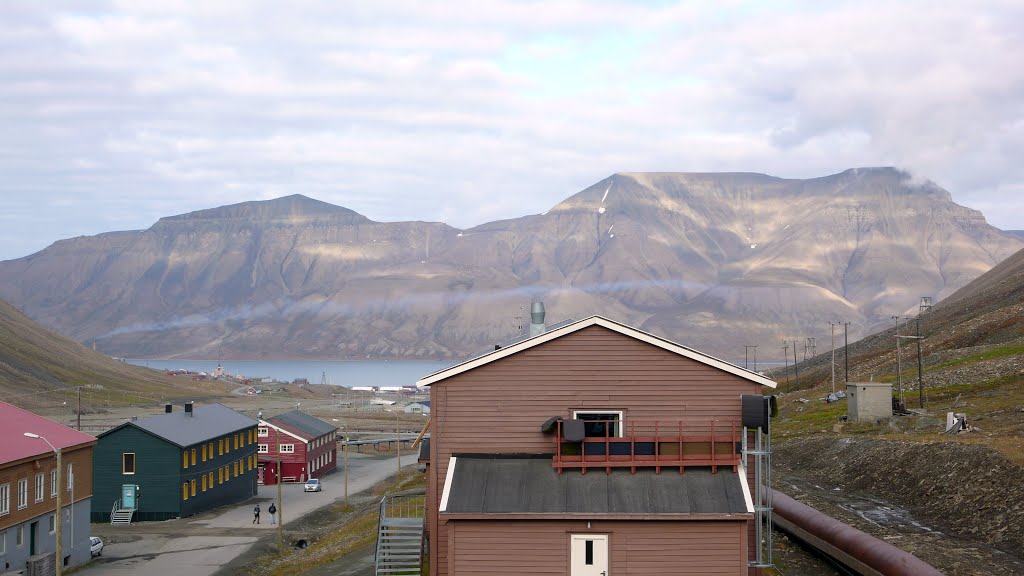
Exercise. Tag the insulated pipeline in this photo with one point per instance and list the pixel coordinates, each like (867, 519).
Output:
(863, 553)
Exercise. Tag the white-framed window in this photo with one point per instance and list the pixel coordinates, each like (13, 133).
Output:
(5, 499)
(286, 448)
(53, 483)
(53, 523)
(600, 423)
(263, 448)
(22, 493)
(128, 462)
(40, 487)
(264, 432)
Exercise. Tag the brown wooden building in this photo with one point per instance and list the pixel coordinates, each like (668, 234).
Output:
(28, 489)
(594, 448)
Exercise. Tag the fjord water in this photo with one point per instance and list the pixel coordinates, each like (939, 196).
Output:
(348, 373)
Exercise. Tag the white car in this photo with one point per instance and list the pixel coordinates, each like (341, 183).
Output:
(312, 485)
(96, 546)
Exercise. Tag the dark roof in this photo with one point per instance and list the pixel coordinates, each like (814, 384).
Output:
(422, 403)
(302, 424)
(498, 484)
(206, 423)
(14, 422)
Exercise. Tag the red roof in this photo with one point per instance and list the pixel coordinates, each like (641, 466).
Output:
(14, 422)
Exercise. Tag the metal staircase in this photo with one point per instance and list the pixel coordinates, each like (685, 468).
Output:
(120, 516)
(400, 536)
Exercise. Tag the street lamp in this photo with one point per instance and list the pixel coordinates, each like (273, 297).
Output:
(59, 564)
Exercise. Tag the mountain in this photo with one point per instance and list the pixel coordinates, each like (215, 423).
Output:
(37, 367)
(715, 261)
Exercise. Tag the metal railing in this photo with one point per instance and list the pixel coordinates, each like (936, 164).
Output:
(652, 445)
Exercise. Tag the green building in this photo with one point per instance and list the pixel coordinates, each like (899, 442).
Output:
(174, 465)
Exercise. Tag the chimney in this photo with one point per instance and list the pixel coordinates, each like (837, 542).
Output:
(168, 408)
(536, 318)
(188, 409)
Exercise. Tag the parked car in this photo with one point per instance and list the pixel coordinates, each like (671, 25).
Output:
(96, 546)
(312, 485)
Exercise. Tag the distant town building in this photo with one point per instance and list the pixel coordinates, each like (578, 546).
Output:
(28, 489)
(176, 464)
(306, 446)
(418, 407)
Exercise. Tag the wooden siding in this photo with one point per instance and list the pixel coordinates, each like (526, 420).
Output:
(159, 473)
(499, 407)
(494, 548)
(80, 460)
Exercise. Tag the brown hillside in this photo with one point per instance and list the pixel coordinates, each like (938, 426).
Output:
(37, 367)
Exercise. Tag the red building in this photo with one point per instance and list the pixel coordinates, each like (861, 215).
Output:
(307, 447)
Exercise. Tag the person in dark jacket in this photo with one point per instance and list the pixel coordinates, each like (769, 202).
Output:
(256, 515)
(273, 512)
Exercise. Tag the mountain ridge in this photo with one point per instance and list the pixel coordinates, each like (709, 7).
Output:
(703, 258)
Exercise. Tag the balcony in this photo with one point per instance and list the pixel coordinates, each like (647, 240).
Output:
(677, 445)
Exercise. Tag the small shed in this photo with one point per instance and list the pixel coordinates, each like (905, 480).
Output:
(418, 407)
(868, 401)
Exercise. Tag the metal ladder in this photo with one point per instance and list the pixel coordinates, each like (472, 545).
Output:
(400, 536)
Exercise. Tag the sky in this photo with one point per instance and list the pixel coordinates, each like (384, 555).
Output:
(116, 113)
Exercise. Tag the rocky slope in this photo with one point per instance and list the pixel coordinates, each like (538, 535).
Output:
(712, 260)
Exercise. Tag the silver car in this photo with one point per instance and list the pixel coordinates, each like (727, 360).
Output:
(312, 485)
(96, 546)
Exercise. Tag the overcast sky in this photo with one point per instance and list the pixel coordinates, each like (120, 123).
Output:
(113, 114)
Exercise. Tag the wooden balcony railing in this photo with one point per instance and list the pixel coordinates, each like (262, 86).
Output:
(711, 443)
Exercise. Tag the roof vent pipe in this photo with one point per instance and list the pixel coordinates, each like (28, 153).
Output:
(188, 409)
(168, 408)
(536, 318)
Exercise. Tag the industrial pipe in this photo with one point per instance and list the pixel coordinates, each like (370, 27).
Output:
(858, 551)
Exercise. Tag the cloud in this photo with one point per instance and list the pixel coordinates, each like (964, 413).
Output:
(443, 111)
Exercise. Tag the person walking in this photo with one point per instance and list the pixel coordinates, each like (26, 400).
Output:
(273, 512)
(256, 515)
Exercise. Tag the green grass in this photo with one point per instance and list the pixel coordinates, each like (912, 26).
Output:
(997, 352)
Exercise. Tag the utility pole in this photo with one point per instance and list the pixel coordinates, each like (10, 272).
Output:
(785, 358)
(899, 363)
(920, 373)
(796, 368)
(79, 408)
(755, 357)
(398, 433)
(832, 325)
(345, 450)
(846, 350)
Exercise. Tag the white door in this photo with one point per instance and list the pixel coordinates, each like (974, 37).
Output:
(588, 555)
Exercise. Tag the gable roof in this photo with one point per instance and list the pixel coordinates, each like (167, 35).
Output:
(604, 323)
(207, 422)
(302, 424)
(14, 422)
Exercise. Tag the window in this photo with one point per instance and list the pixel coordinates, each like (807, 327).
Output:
(248, 462)
(211, 480)
(71, 477)
(3, 542)
(286, 448)
(184, 491)
(263, 448)
(40, 487)
(128, 463)
(220, 475)
(193, 456)
(192, 484)
(53, 523)
(236, 441)
(19, 536)
(184, 459)
(252, 436)
(204, 452)
(263, 432)
(22, 493)
(220, 447)
(204, 482)
(5, 499)
(53, 483)
(211, 450)
(600, 423)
